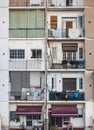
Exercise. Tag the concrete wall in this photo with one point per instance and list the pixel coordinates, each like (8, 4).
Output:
(89, 113)
(89, 86)
(89, 53)
(89, 3)
(59, 76)
(89, 22)
(4, 82)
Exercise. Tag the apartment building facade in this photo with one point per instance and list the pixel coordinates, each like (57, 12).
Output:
(47, 62)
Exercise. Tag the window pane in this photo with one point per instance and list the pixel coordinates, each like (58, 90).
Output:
(64, 55)
(39, 54)
(17, 54)
(80, 83)
(69, 84)
(14, 117)
(59, 121)
(80, 53)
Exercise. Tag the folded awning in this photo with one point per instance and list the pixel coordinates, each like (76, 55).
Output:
(29, 110)
(66, 110)
(69, 46)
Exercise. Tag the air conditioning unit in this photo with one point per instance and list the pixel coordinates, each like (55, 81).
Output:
(74, 33)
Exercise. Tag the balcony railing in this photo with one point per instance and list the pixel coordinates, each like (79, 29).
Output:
(26, 64)
(77, 64)
(26, 33)
(63, 3)
(14, 3)
(64, 33)
(27, 94)
(63, 96)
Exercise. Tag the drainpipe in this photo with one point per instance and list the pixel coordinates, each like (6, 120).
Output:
(45, 92)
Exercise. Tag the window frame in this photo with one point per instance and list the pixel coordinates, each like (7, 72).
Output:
(17, 53)
(36, 53)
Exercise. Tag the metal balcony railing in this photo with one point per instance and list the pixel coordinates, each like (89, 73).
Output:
(26, 64)
(27, 95)
(14, 3)
(26, 33)
(72, 64)
(63, 3)
(64, 33)
(63, 96)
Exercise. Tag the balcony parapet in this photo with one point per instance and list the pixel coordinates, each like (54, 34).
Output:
(64, 96)
(28, 3)
(26, 32)
(18, 64)
(27, 95)
(64, 33)
(77, 64)
(63, 4)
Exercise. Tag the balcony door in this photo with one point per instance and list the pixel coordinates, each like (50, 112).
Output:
(69, 2)
(68, 23)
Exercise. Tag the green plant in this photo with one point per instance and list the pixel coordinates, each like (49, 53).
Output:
(53, 128)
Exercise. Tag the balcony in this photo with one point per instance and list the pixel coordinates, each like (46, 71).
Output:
(66, 96)
(27, 94)
(66, 4)
(23, 3)
(64, 33)
(26, 33)
(78, 64)
(26, 64)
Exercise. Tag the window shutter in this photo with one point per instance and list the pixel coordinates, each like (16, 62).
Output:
(53, 21)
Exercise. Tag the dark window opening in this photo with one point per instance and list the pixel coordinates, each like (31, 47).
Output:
(36, 53)
(69, 84)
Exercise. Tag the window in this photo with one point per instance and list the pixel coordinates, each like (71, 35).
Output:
(69, 2)
(69, 84)
(36, 53)
(54, 52)
(59, 121)
(30, 118)
(80, 83)
(56, 121)
(17, 53)
(53, 21)
(66, 120)
(53, 83)
(14, 117)
(80, 53)
(69, 55)
(80, 112)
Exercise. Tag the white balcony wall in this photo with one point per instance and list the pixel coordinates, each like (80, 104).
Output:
(28, 63)
(58, 80)
(3, 23)
(59, 55)
(61, 15)
(4, 53)
(35, 2)
(35, 79)
(4, 3)
(89, 114)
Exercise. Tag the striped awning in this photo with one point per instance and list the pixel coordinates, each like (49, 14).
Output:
(69, 46)
(29, 110)
(66, 110)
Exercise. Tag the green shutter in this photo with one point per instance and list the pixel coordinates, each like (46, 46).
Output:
(32, 19)
(40, 19)
(13, 19)
(23, 18)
